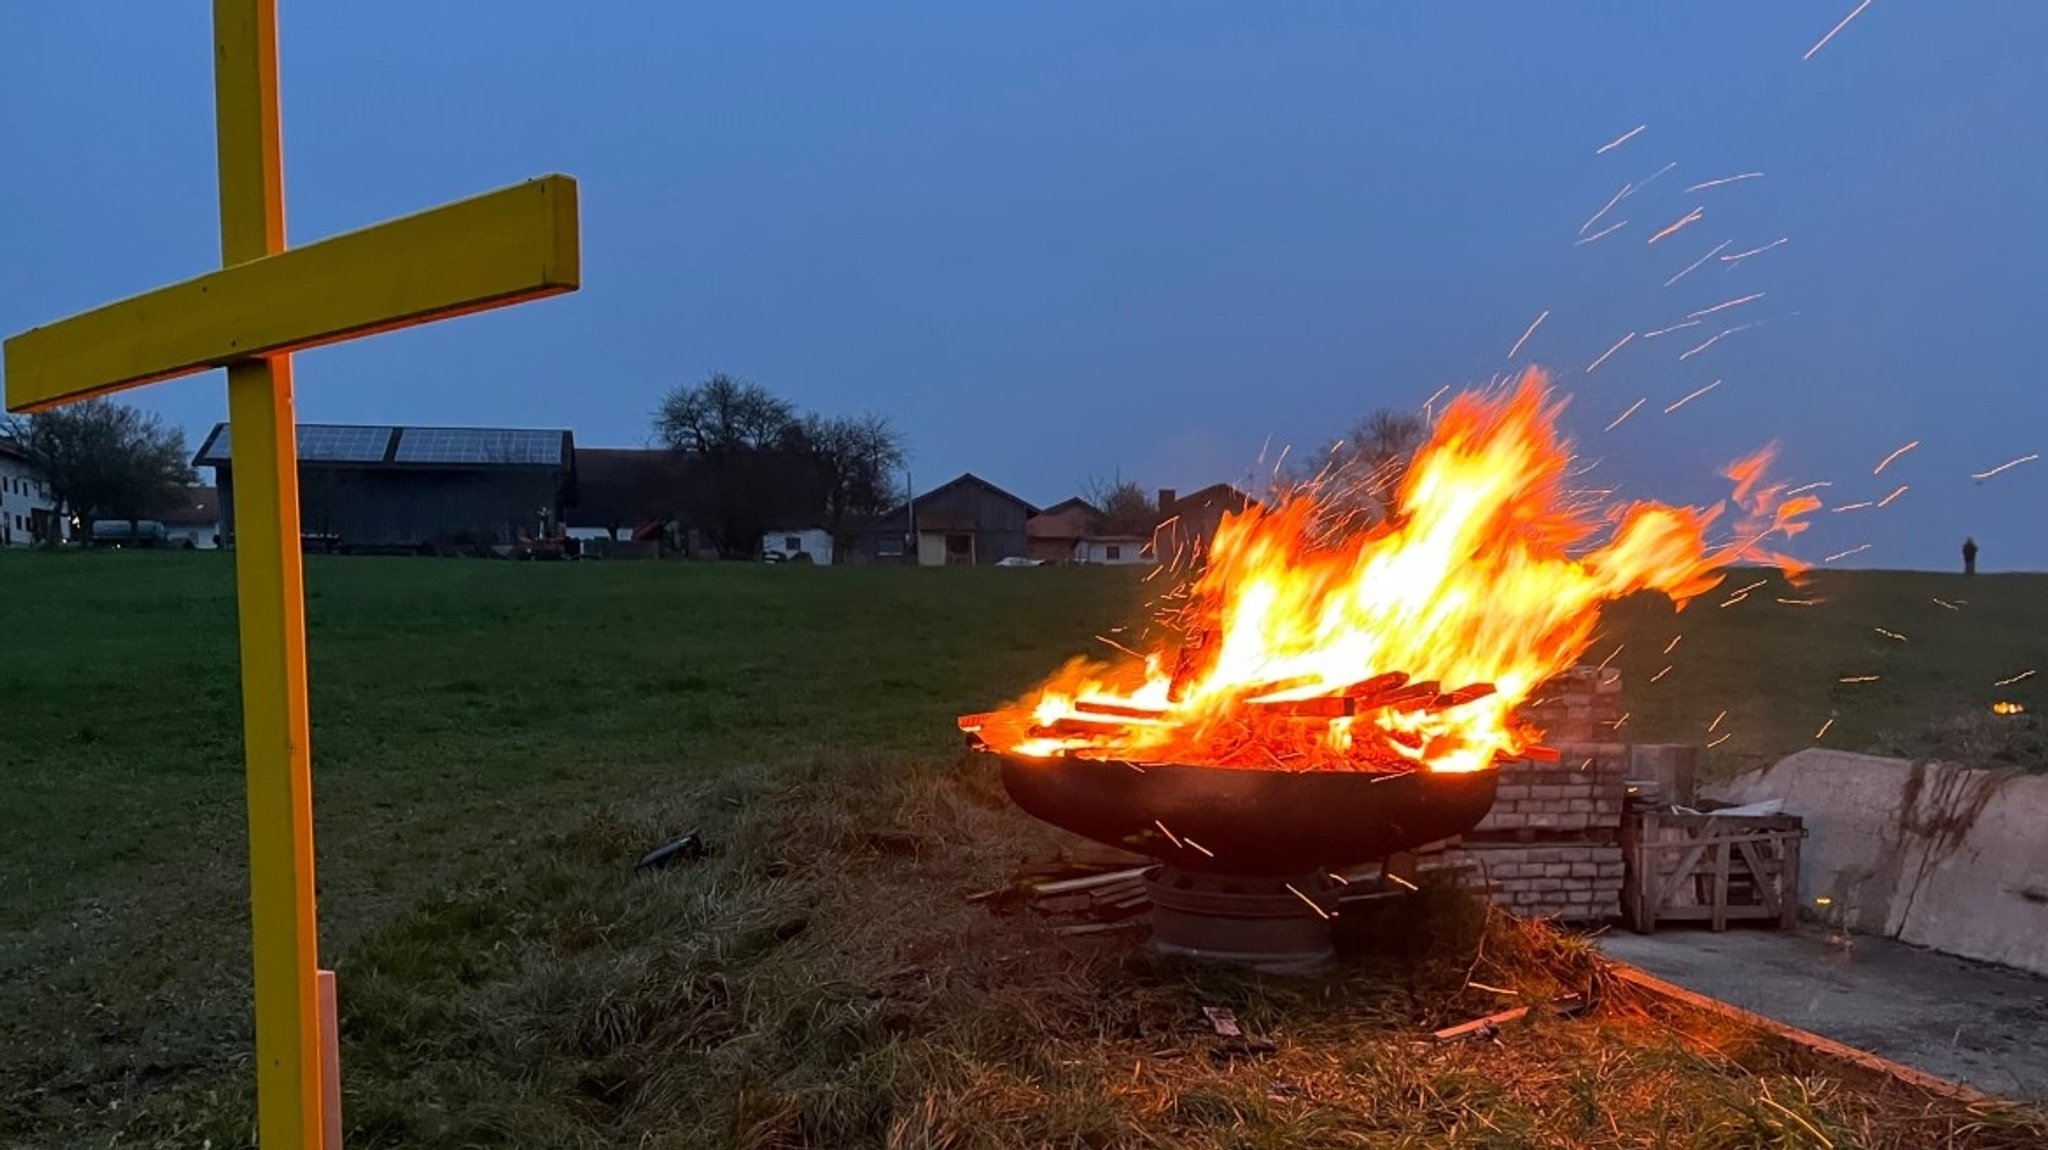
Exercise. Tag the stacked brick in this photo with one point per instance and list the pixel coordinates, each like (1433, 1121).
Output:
(1583, 705)
(1551, 845)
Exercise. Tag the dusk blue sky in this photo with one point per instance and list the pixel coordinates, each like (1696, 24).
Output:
(1062, 240)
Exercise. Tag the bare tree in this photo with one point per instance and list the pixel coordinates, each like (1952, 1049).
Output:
(1126, 508)
(105, 460)
(1361, 472)
(856, 459)
(747, 443)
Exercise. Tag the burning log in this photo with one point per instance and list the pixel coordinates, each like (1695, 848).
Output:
(1471, 692)
(1115, 710)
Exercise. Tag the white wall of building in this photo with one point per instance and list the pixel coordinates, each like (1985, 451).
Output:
(812, 541)
(22, 493)
(1111, 552)
(198, 536)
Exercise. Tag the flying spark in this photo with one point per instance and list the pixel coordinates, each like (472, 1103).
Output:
(1609, 230)
(1980, 476)
(1616, 724)
(1846, 554)
(1662, 673)
(1889, 634)
(1690, 217)
(1896, 492)
(1631, 134)
(1673, 644)
(1857, 506)
(1722, 739)
(1879, 470)
(1717, 722)
(1438, 394)
(1653, 177)
(1404, 882)
(1167, 833)
(1858, 679)
(1806, 487)
(2016, 678)
(1740, 256)
(1199, 847)
(1703, 259)
(1693, 396)
(1610, 657)
(1311, 902)
(1822, 42)
(1672, 328)
(1624, 415)
(1716, 338)
(1719, 306)
(1610, 351)
(1751, 587)
(1823, 730)
(1605, 208)
(1947, 604)
(1705, 184)
(1738, 597)
(1518, 343)
(1800, 602)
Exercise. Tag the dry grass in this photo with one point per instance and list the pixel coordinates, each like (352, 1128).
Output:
(820, 981)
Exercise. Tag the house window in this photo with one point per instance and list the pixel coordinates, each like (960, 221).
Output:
(792, 543)
(1114, 552)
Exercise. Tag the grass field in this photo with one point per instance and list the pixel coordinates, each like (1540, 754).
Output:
(496, 743)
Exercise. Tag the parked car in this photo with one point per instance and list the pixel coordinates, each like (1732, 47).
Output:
(124, 533)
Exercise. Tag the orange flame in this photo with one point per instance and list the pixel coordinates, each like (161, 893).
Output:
(1481, 575)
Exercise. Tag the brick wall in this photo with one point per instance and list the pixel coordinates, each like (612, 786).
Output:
(1551, 845)
(1583, 705)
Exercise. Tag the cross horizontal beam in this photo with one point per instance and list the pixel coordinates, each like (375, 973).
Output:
(514, 244)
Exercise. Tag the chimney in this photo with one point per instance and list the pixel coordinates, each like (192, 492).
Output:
(1166, 495)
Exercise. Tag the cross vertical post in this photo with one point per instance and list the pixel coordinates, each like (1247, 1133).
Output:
(270, 599)
(266, 301)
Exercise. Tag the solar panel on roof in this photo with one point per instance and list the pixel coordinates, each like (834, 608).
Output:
(343, 444)
(326, 442)
(478, 445)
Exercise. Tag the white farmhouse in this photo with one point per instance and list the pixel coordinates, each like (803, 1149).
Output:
(28, 515)
(800, 545)
(1113, 550)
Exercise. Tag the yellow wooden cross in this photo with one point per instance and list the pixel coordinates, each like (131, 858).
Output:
(267, 301)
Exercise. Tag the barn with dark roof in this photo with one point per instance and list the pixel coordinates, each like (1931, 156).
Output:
(389, 488)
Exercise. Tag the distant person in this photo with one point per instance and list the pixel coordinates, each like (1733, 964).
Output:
(1969, 556)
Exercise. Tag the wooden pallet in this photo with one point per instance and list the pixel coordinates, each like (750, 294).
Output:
(1710, 868)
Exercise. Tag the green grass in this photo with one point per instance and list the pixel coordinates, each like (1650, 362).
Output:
(496, 743)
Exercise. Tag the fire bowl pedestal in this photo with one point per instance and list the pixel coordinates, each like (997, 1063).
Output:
(1235, 841)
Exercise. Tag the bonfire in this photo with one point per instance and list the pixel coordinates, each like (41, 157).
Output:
(1312, 640)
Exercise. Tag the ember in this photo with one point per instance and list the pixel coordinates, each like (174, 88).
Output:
(1314, 641)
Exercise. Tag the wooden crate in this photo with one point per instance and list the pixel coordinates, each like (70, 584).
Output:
(1710, 868)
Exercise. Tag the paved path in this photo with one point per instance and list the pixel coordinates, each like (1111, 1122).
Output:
(1965, 1021)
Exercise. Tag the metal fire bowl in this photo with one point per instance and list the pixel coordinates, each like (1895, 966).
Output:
(1248, 822)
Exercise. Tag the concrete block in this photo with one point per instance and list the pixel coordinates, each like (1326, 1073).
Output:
(1932, 854)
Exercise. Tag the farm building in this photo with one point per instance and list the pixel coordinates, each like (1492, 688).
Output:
(1188, 522)
(1053, 534)
(628, 494)
(416, 488)
(799, 545)
(194, 522)
(1113, 550)
(968, 520)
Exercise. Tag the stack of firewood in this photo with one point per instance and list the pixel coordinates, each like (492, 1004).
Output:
(1103, 893)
